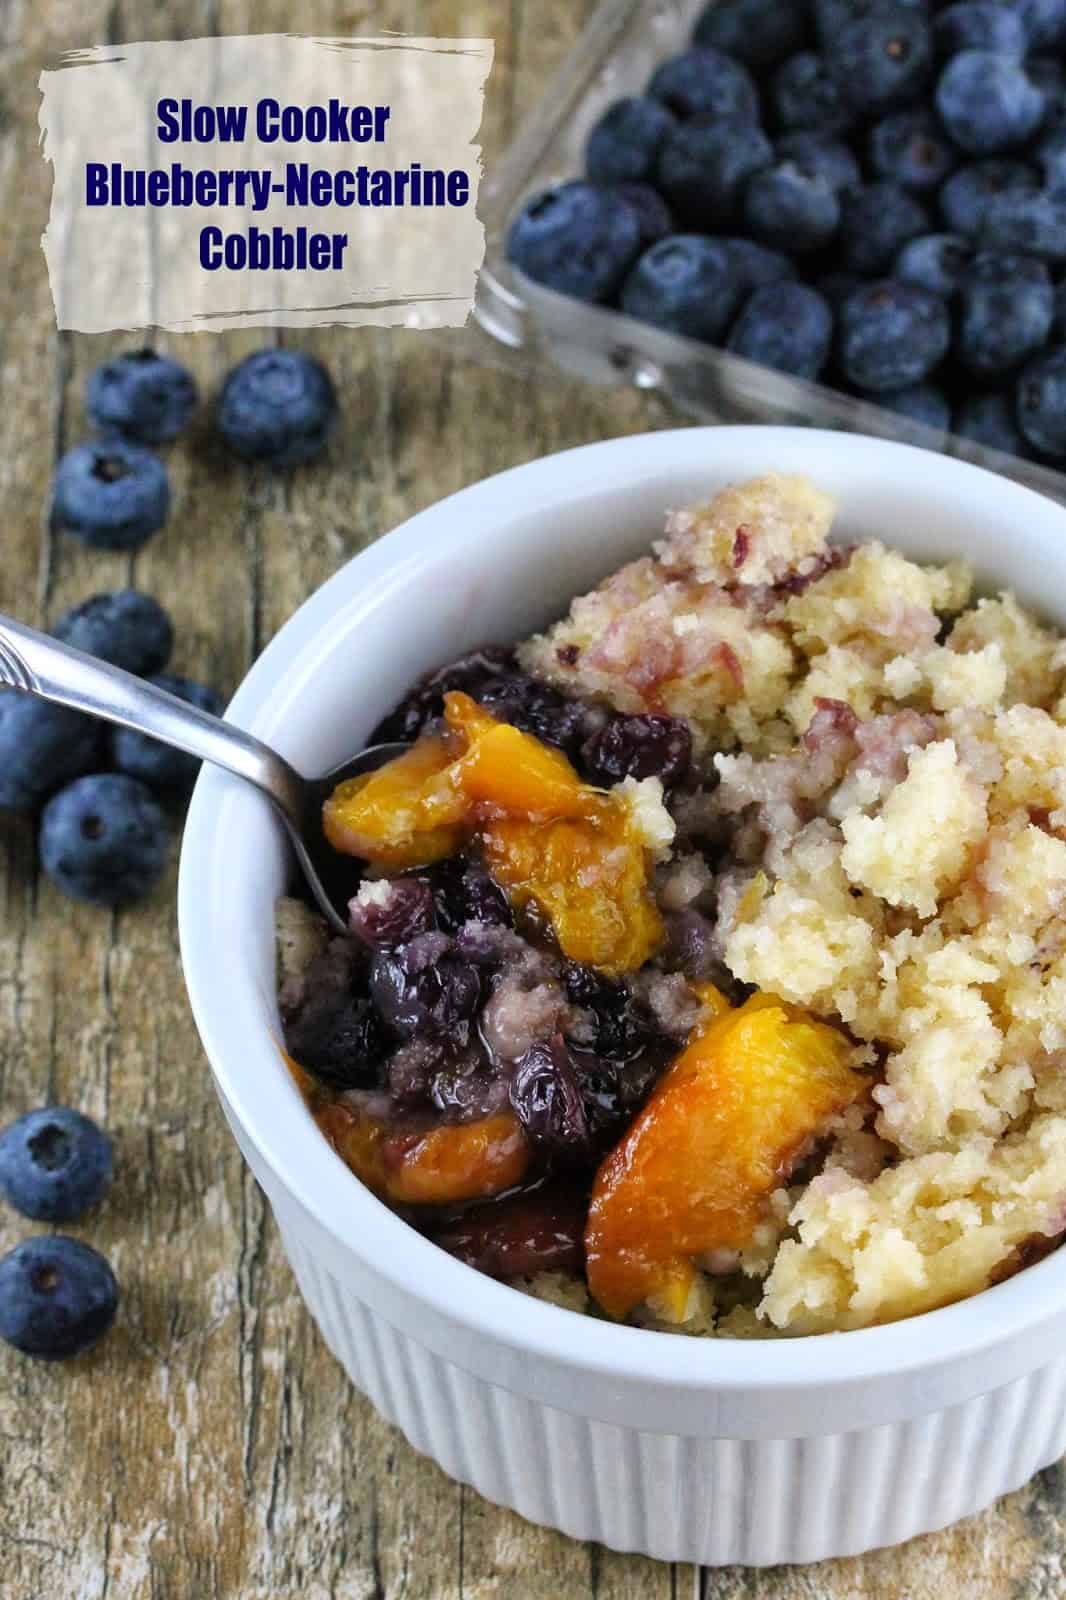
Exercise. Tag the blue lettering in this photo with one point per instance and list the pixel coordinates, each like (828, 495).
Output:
(210, 249)
(169, 130)
(95, 183)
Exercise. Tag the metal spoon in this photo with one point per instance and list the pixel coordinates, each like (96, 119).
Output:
(34, 663)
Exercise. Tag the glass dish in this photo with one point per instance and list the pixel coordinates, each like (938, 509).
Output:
(537, 329)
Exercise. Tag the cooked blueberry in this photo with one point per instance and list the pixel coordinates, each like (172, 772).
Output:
(425, 987)
(654, 217)
(278, 407)
(875, 224)
(892, 334)
(1044, 21)
(790, 209)
(55, 1164)
(1031, 224)
(754, 265)
(922, 402)
(639, 746)
(463, 892)
(621, 1028)
(160, 764)
(491, 677)
(540, 1230)
(705, 164)
(143, 395)
(42, 746)
(1007, 305)
(806, 96)
(339, 1038)
(758, 32)
(104, 839)
(127, 628)
(390, 911)
(968, 193)
(909, 148)
(988, 102)
(1040, 403)
(786, 326)
(936, 261)
(685, 284)
(466, 1086)
(820, 156)
(705, 81)
(980, 25)
(881, 60)
(988, 419)
(612, 1092)
(58, 1297)
(110, 494)
(534, 708)
(693, 946)
(624, 144)
(546, 1099)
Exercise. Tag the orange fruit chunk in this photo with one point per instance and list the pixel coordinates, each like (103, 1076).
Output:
(450, 1163)
(393, 816)
(721, 1131)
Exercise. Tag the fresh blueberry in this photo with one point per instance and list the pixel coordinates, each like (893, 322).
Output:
(624, 145)
(790, 210)
(910, 148)
(988, 419)
(704, 166)
(967, 195)
(127, 628)
(143, 395)
(922, 402)
(110, 494)
(807, 98)
(104, 839)
(55, 1164)
(277, 406)
(58, 1297)
(685, 284)
(936, 261)
(1050, 155)
(1007, 305)
(42, 746)
(875, 224)
(578, 239)
(820, 156)
(786, 326)
(654, 217)
(160, 765)
(1049, 75)
(988, 103)
(1040, 403)
(760, 33)
(339, 1038)
(639, 746)
(980, 25)
(754, 266)
(1030, 224)
(1044, 21)
(1058, 325)
(706, 81)
(892, 335)
(830, 16)
(882, 60)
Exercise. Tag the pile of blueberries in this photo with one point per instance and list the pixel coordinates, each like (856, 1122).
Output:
(104, 835)
(869, 192)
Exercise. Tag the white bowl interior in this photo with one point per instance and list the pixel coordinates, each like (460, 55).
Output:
(489, 565)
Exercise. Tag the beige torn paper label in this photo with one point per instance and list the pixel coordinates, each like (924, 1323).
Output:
(266, 180)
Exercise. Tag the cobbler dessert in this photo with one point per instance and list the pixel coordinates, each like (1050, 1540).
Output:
(707, 963)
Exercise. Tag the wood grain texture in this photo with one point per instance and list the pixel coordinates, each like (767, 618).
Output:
(211, 1447)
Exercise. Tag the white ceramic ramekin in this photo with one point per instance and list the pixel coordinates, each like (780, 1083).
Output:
(696, 1450)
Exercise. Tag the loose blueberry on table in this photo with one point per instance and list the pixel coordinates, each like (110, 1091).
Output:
(860, 142)
(58, 1297)
(143, 395)
(55, 1164)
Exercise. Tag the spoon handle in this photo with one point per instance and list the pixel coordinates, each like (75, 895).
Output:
(35, 663)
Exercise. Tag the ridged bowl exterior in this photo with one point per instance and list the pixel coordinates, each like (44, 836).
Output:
(698, 1450)
(715, 1501)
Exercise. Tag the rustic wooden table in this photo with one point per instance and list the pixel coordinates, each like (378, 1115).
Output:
(212, 1447)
